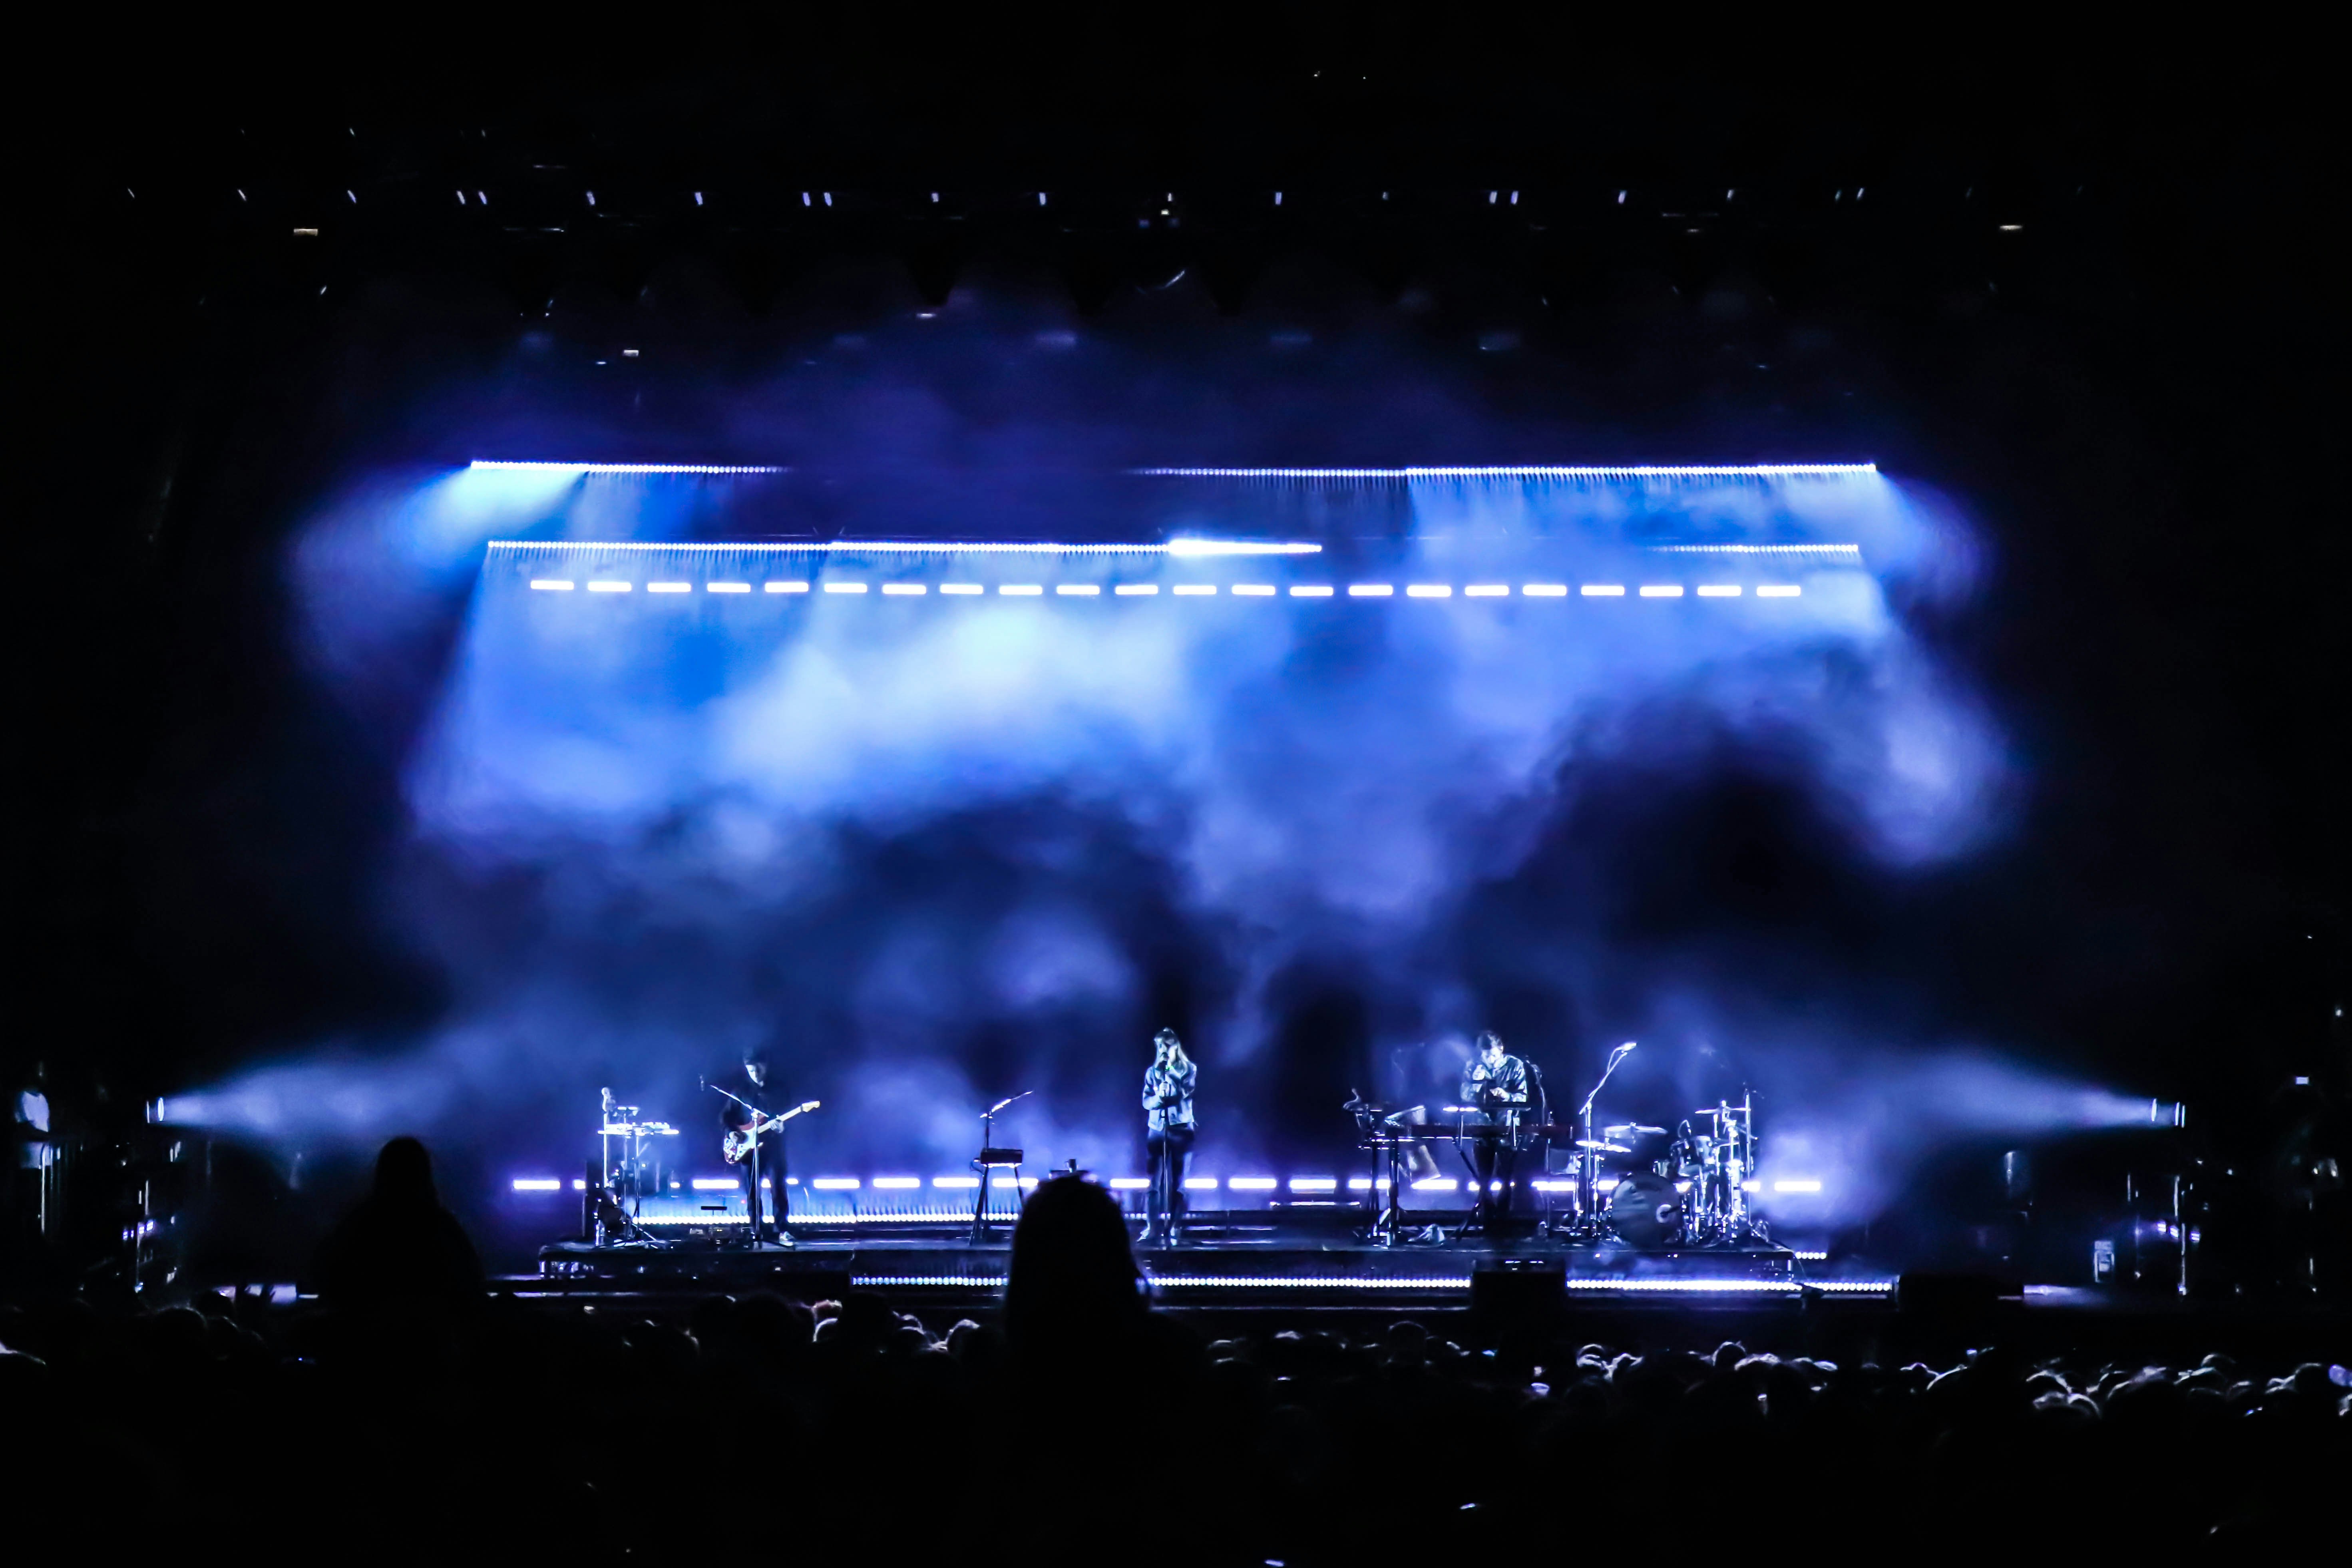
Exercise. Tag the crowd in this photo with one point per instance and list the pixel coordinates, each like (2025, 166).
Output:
(407, 1418)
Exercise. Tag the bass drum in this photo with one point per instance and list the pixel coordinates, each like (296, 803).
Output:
(1645, 1211)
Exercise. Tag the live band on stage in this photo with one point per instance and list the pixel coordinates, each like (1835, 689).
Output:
(1627, 1183)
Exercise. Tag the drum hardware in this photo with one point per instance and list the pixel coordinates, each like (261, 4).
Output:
(626, 1171)
(1645, 1211)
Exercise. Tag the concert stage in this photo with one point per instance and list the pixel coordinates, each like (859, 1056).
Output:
(1232, 1260)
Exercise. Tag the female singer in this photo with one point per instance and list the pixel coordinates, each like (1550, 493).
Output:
(1168, 1131)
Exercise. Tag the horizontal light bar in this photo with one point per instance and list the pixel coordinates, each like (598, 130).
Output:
(578, 1184)
(697, 1219)
(1311, 591)
(1631, 471)
(1602, 590)
(963, 588)
(1719, 590)
(1182, 549)
(1546, 589)
(1129, 1183)
(1128, 590)
(836, 1184)
(1778, 591)
(1487, 591)
(1807, 1186)
(715, 1184)
(727, 587)
(786, 588)
(930, 1282)
(609, 585)
(965, 1183)
(1253, 590)
(1199, 1184)
(897, 590)
(1429, 591)
(538, 1184)
(551, 585)
(1662, 589)
(669, 587)
(1314, 1183)
(623, 468)
(1436, 1184)
(1309, 1283)
(1804, 1257)
(896, 1183)
(1187, 590)
(1077, 590)
(1251, 1183)
(845, 587)
(1370, 590)
(1547, 1186)
(1021, 590)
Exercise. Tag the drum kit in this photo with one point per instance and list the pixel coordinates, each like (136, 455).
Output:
(1692, 1192)
(1640, 1186)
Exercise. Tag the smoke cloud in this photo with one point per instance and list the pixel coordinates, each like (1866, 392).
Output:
(923, 852)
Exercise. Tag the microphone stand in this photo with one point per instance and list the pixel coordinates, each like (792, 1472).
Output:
(1588, 1165)
(987, 1147)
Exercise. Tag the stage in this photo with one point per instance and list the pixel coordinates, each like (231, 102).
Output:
(1242, 1258)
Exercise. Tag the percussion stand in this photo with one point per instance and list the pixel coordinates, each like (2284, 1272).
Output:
(1588, 1167)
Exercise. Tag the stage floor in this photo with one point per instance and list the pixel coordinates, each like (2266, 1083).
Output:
(1223, 1260)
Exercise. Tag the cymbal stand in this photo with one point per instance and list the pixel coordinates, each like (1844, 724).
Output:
(1588, 1165)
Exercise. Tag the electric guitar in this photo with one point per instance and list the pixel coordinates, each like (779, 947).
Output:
(737, 1145)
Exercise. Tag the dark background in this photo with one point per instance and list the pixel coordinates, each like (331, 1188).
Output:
(2134, 391)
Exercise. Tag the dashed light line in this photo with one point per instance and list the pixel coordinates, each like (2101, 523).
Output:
(1021, 590)
(1253, 590)
(787, 587)
(1719, 590)
(1134, 590)
(1310, 591)
(1429, 591)
(963, 588)
(1487, 591)
(1544, 590)
(551, 585)
(1194, 590)
(1077, 590)
(1370, 590)
(1662, 589)
(903, 590)
(1602, 590)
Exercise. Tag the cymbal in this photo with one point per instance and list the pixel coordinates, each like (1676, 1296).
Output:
(1633, 1129)
(1604, 1148)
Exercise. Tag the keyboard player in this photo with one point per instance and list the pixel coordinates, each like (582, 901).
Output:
(1498, 1083)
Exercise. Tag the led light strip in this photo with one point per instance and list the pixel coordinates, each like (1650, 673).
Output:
(1639, 471)
(512, 468)
(1187, 590)
(1294, 1282)
(1182, 549)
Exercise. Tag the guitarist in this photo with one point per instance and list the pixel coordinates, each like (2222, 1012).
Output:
(767, 1157)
